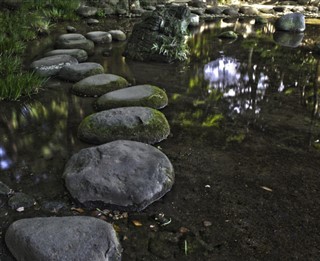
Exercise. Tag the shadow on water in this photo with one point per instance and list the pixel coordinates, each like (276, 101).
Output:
(244, 144)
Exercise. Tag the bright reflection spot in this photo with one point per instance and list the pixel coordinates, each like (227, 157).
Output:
(242, 86)
(281, 87)
(5, 161)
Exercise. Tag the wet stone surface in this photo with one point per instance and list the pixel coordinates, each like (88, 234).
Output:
(78, 72)
(79, 54)
(125, 174)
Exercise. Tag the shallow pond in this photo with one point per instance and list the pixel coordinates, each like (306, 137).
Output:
(245, 140)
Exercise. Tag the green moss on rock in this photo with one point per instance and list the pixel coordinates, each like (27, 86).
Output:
(130, 123)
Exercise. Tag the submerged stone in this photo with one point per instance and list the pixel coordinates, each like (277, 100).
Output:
(99, 84)
(75, 41)
(99, 37)
(19, 200)
(63, 238)
(126, 174)
(77, 72)
(130, 123)
(294, 22)
(50, 66)
(141, 95)
(79, 54)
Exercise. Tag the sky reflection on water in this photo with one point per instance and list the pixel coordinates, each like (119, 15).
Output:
(5, 161)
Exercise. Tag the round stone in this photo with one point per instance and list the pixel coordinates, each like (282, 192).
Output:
(63, 238)
(130, 123)
(50, 66)
(79, 54)
(124, 174)
(118, 35)
(99, 37)
(99, 84)
(75, 41)
(77, 72)
(294, 22)
(141, 95)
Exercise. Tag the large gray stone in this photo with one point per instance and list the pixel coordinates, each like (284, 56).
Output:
(79, 54)
(140, 95)
(99, 84)
(294, 22)
(127, 174)
(63, 239)
(77, 72)
(75, 41)
(99, 37)
(87, 11)
(130, 123)
(50, 66)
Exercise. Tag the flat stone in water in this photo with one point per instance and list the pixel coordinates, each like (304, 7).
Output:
(19, 200)
(99, 84)
(140, 95)
(79, 54)
(130, 123)
(50, 66)
(127, 174)
(99, 37)
(77, 72)
(63, 238)
(75, 41)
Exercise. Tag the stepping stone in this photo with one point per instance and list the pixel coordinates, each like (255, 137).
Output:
(79, 54)
(87, 11)
(99, 84)
(294, 22)
(75, 41)
(141, 95)
(63, 238)
(99, 37)
(77, 72)
(50, 66)
(130, 123)
(124, 174)
(118, 35)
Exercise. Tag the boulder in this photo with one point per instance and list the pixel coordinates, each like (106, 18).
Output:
(77, 72)
(79, 54)
(141, 95)
(130, 123)
(75, 41)
(294, 22)
(124, 174)
(99, 37)
(50, 66)
(62, 239)
(99, 84)
(288, 39)
(164, 26)
(87, 11)
(118, 35)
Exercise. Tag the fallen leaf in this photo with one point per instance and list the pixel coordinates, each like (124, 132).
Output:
(137, 223)
(183, 230)
(266, 188)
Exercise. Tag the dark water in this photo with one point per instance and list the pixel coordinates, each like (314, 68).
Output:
(245, 146)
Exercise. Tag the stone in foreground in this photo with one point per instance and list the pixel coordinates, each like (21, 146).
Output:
(63, 239)
(50, 66)
(130, 123)
(79, 54)
(140, 95)
(125, 174)
(99, 84)
(77, 72)
(294, 22)
(75, 41)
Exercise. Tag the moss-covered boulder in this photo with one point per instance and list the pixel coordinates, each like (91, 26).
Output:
(78, 72)
(140, 95)
(99, 84)
(130, 123)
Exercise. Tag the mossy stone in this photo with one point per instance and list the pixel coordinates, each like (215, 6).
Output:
(99, 84)
(130, 123)
(140, 95)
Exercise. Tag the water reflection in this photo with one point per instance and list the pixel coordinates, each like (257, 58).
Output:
(5, 161)
(243, 86)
